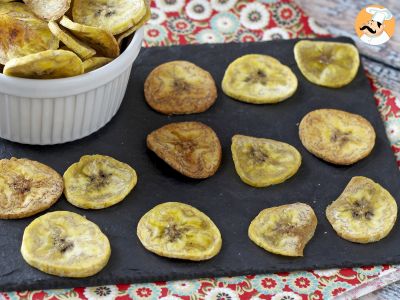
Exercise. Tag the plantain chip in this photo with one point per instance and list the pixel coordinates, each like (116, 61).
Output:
(178, 230)
(49, 10)
(101, 40)
(191, 148)
(327, 64)
(65, 244)
(364, 213)
(94, 63)
(116, 16)
(27, 187)
(48, 64)
(337, 136)
(284, 229)
(264, 162)
(98, 181)
(83, 50)
(22, 33)
(259, 79)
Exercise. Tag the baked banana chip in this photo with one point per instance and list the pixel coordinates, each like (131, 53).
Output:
(22, 33)
(116, 16)
(191, 148)
(27, 187)
(98, 181)
(48, 64)
(49, 10)
(83, 50)
(180, 87)
(328, 64)
(284, 229)
(101, 40)
(94, 63)
(262, 162)
(178, 230)
(364, 213)
(337, 136)
(65, 244)
(259, 79)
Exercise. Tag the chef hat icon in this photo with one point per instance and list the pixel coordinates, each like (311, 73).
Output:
(379, 14)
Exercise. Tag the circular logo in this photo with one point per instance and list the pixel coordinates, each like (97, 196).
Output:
(375, 24)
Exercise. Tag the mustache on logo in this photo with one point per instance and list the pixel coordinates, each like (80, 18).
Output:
(368, 28)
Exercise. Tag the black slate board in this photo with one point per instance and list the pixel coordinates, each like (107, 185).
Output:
(229, 202)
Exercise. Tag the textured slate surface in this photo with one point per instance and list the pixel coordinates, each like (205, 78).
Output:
(229, 202)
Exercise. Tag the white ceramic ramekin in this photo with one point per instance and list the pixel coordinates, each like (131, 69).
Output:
(56, 111)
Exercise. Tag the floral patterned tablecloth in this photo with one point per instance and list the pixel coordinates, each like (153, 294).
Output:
(218, 21)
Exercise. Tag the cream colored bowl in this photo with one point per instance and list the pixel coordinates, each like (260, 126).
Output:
(56, 111)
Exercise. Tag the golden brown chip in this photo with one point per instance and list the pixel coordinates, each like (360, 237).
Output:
(83, 50)
(49, 10)
(364, 213)
(22, 33)
(48, 64)
(284, 229)
(337, 136)
(191, 148)
(180, 87)
(27, 187)
(328, 64)
(94, 63)
(101, 40)
(178, 230)
(116, 16)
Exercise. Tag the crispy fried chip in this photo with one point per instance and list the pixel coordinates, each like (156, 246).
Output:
(264, 162)
(327, 63)
(191, 148)
(48, 64)
(22, 33)
(63, 243)
(27, 187)
(101, 40)
(83, 50)
(180, 87)
(284, 229)
(364, 213)
(116, 16)
(94, 63)
(259, 79)
(49, 10)
(337, 136)
(98, 181)
(178, 230)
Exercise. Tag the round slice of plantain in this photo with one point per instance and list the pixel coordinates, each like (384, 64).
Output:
(191, 148)
(133, 29)
(83, 50)
(22, 33)
(180, 87)
(27, 187)
(101, 40)
(263, 162)
(178, 230)
(116, 16)
(48, 10)
(365, 212)
(50, 64)
(65, 244)
(259, 79)
(285, 229)
(94, 63)
(327, 64)
(98, 181)
(337, 136)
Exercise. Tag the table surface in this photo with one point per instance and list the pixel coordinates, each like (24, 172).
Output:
(202, 21)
